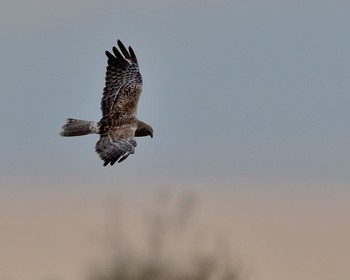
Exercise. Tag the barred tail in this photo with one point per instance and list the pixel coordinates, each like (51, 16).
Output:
(74, 127)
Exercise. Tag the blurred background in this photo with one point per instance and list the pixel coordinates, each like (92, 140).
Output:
(249, 101)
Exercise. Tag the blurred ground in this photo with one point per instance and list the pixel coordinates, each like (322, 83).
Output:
(270, 234)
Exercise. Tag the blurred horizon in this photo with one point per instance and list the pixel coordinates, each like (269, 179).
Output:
(266, 234)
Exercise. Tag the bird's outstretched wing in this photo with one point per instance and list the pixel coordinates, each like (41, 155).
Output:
(123, 83)
(119, 106)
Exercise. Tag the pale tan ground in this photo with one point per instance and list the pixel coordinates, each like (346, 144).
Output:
(273, 233)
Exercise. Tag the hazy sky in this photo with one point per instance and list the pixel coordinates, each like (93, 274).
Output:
(235, 90)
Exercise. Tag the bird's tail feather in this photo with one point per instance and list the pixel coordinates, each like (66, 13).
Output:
(74, 127)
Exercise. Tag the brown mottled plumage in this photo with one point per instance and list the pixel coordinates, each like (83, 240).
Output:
(119, 124)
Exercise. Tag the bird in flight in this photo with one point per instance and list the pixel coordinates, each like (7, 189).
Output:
(119, 124)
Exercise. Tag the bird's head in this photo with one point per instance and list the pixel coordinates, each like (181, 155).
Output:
(144, 130)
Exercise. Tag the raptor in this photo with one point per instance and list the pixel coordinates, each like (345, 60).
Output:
(119, 124)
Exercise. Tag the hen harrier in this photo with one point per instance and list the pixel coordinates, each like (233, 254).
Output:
(119, 124)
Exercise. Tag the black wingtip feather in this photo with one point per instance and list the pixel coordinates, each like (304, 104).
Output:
(123, 158)
(122, 55)
(117, 54)
(109, 55)
(123, 50)
(133, 56)
(111, 58)
(114, 160)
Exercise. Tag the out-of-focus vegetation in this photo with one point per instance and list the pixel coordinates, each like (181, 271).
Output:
(175, 246)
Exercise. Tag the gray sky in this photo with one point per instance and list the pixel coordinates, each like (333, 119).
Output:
(235, 90)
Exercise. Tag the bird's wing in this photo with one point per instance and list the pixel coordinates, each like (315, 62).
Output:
(112, 149)
(123, 84)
